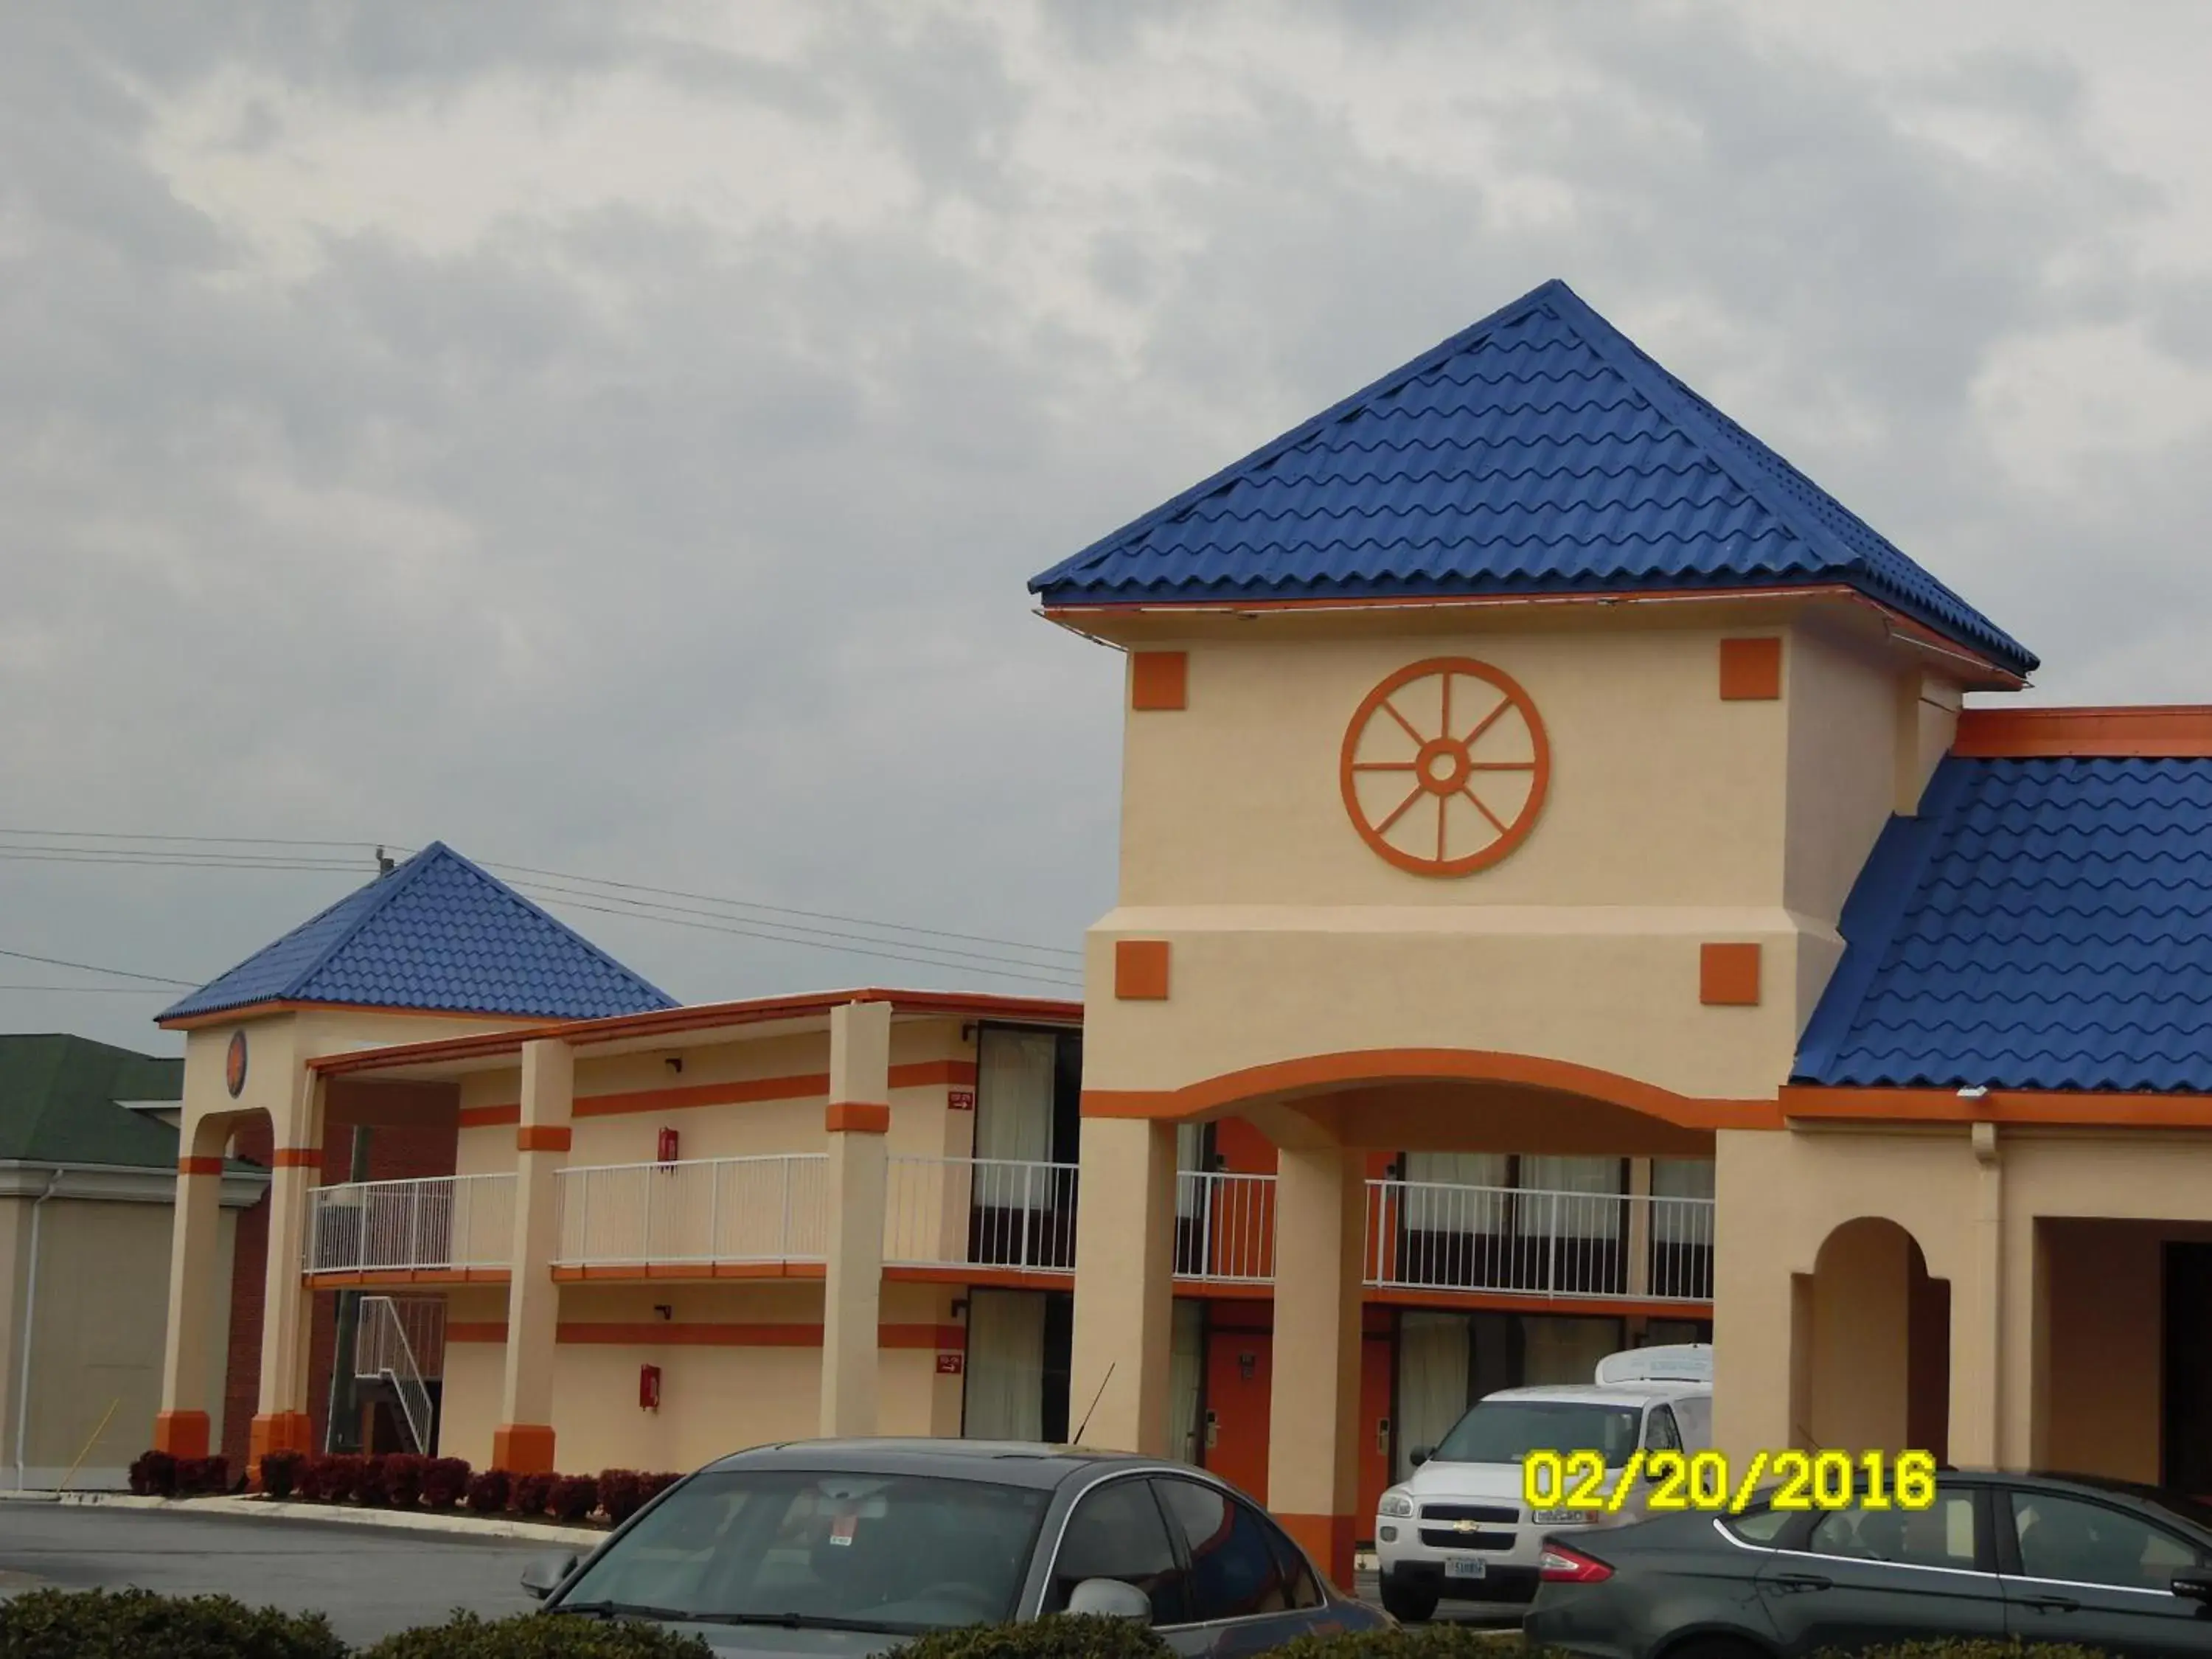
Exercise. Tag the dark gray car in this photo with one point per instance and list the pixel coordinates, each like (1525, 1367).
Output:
(849, 1547)
(2037, 1558)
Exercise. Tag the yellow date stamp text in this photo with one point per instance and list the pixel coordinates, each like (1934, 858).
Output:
(1674, 1481)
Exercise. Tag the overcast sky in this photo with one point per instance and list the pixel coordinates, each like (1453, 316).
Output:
(614, 438)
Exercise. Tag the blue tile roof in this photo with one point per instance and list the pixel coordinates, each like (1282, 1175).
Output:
(2041, 924)
(1538, 452)
(437, 933)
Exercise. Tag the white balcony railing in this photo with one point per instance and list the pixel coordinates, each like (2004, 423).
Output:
(1225, 1227)
(444, 1223)
(703, 1212)
(980, 1212)
(1432, 1237)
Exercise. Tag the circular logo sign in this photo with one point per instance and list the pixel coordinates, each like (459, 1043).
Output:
(1444, 767)
(234, 1065)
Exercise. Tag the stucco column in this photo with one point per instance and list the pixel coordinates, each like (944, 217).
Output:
(281, 1422)
(858, 1119)
(523, 1441)
(1762, 1324)
(1639, 1227)
(1976, 1410)
(1125, 1221)
(1313, 1430)
(181, 1427)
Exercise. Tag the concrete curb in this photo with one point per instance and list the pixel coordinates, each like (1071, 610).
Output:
(581, 1539)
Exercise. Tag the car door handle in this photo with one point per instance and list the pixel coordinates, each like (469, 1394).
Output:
(2053, 1603)
(1801, 1581)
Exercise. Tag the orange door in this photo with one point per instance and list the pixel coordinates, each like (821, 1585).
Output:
(1374, 1431)
(1239, 1365)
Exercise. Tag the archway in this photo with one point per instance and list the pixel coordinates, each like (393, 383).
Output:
(1875, 1370)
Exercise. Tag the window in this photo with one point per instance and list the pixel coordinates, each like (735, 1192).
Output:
(1116, 1532)
(903, 1552)
(1235, 1571)
(2083, 1543)
(1940, 1536)
(1570, 1197)
(1507, 1431)
(1659, 1433)
(1760, 1527)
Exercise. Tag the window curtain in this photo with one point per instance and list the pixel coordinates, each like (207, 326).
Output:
(1014, 1117)
(1593, 1208)
(1566, 1350)
(1006, 1365)
(1432, 1380)
(1681, 1177)
(1186, 1358)
(1431, 1211)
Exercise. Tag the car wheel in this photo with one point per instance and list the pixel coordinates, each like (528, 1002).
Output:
(1408, 1607)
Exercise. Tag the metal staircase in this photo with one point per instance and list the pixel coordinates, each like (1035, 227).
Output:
(382, 1352)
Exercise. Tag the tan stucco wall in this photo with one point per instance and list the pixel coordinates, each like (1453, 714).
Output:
(2102, 1413)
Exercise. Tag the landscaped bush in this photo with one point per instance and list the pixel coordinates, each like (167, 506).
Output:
(281, 1472)
(402, 1478)
(444, 1480)
(573, 1497)
(202, 1477)
(1062, 1636)
(137, 1624)
(1985, 1648)
(1439, 1641)
(369, 1489)
(333, 1479)
(532, 1491)
(154, 1475)
(489, 1493)
(465, 1636)
(621, 1493)
(650, 1487)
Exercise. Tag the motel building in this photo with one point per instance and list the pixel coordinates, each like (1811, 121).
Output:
(1567, 899)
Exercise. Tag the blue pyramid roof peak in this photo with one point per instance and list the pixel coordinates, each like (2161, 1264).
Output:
(1540, 451)
(436, 934)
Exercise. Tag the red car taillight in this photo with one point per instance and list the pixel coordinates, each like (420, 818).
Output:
(1562, 1565)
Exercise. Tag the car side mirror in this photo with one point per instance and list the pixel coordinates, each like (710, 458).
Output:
(1422, 1454)
(1110, 1598)
(543, 1575)
(2196, 1586)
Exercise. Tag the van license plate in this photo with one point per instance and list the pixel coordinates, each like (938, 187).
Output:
(1465, 1566)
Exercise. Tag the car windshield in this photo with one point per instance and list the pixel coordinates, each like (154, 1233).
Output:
(1507, 1431)
(868, 1551)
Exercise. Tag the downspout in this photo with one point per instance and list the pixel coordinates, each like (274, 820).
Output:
(30, 1314)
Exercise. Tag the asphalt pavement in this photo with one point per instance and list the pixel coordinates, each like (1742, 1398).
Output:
(368, 1580)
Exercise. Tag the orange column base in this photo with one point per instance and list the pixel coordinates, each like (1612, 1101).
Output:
(278, 1431)
(181, 1434)
(522, 1449)
(1327, 1538)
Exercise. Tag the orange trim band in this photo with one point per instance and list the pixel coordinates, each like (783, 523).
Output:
(924, 1073)
(348, 1280)
(486, 1117)
(1590, 1306)
(1159, 679)
(856, 1117)
(1317, 1073)
(543, 1138)
(1140, 969)
(297, 1157)
(1728, 975)
(199, 1166)
(663, 1333)
(2170, 731)
(2048, 1109)
(1751, 670)
(694, 1271)
(262, 1010)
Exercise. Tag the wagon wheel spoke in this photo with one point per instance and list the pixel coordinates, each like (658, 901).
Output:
(1384, 766)
(1383, 827)
(1501, 766)
(1488, 720)
(1392, 708)
(1443, 817)
(1497, 822)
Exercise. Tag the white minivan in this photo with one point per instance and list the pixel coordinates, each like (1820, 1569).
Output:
(1459, 1528)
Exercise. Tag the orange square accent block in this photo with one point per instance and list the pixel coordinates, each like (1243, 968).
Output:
(1728, 975)
(543, 1138)
(1327, 1538)
(1140, 969)
(1159, 679)
(1751, 670)
(523, 1448)
(857, 1117)
(181, 1434)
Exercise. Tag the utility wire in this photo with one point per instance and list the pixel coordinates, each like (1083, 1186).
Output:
(90, 968)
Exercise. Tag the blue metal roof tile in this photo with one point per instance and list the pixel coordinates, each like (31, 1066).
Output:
(1540, 451)
(438, 932)
(2040, 924)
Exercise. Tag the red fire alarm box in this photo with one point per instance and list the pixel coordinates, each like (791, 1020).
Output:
(648, 1388)
(668, 1147)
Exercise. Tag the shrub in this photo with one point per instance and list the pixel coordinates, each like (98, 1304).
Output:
(281, 1473)
(650, 1487)
(1438, 1641)
(489, 1493)
(401, 1479)
(369, 1488)
(465, 1636)
(621, 1493)
(532, 1493)
(202, 1477)
(154, 1475)
(133, 1624)
(1061, 1636)
(338, 1477)
(444, 1480)
(573, 1497)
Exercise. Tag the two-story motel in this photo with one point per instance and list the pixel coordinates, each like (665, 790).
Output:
(1565, 900)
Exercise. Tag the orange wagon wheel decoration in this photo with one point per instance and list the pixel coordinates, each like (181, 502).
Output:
(1444, 767)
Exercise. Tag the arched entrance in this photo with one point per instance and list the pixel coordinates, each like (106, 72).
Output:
(1876, 1368)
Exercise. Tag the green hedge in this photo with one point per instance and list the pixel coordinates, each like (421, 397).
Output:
(1062, 1636)
(536, 1636)
(135, 1623)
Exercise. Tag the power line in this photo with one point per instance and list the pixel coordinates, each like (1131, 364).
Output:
(95, 990)
(90, 968)
(226, 841)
